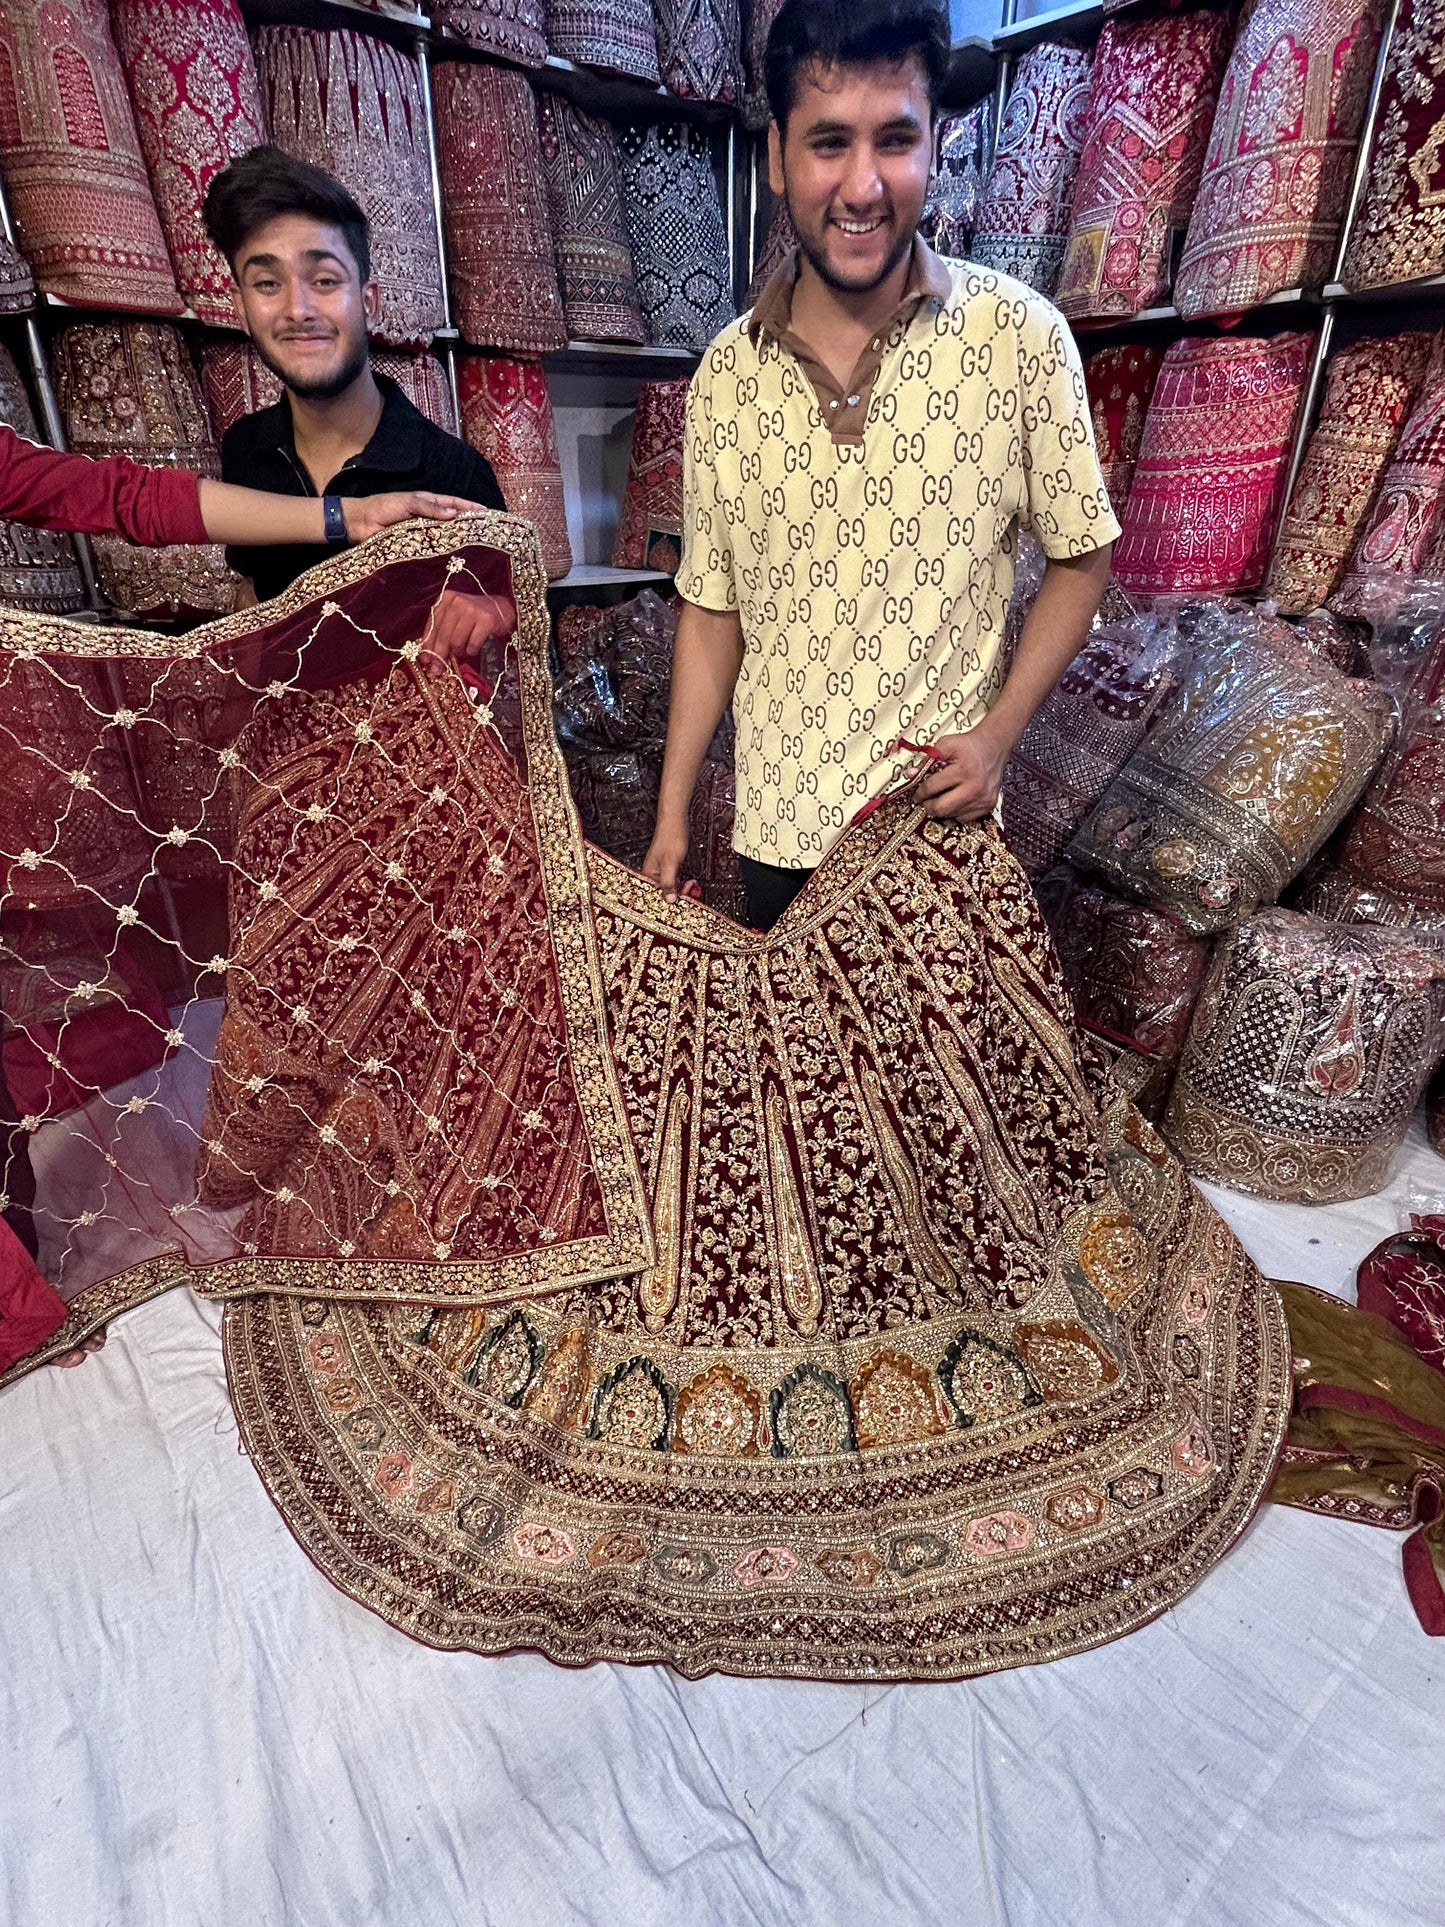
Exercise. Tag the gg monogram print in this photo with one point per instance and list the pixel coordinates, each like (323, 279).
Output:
(867, 538)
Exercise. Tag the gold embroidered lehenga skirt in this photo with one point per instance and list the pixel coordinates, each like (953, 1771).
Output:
(610, 1280)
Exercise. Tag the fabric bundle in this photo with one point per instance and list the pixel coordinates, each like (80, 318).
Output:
(1399, 232)
(1084, 732)
(494, 207)
(589, 225)
(1310, 1047)
(649, 535)
(1395, 848)
(352, 104)
(423, 380)
(1256, 760)
(1209, 483)
(1281, 153)
(129, 388)
(197, 107)
(38, 569)
(1405, 521)
(1120, 382)
(1133, 973)
(1403, 1281)
(17, 284)
(761, 15)
(507, 414)
(235, 382)
(1024, 212)
(1370, 389)
(679, 241)
(778, 243)
(71, 159)
(951, 210)
(700, 48)
(1151, 101)
(513, 29)
(619, 35)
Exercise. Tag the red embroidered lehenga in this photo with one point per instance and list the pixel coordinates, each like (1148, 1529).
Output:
(603, 1277)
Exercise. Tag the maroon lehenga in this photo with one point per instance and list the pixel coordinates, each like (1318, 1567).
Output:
(606, 1278)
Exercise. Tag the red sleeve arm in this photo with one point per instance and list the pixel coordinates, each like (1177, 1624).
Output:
(115, 496)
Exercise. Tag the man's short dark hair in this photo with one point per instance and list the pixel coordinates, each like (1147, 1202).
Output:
(853, 33)
(266, 182)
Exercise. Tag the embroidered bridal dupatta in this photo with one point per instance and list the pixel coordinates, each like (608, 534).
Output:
(602, 1277)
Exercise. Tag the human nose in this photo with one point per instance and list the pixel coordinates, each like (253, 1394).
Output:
(862, 182)
(301, 303)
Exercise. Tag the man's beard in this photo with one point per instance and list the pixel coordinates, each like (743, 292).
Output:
(319, 387)
(819, 262)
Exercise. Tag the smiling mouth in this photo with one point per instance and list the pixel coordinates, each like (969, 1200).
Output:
(857, 229)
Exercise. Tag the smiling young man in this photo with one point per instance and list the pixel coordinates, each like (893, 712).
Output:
(860, 450)
(300, 251)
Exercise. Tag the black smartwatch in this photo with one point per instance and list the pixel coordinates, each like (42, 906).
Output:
(335, 521)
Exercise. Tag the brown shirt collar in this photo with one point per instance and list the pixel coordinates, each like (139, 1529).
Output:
(773, 310)
(845, 410)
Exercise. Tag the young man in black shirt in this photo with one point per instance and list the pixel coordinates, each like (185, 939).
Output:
(300, 251)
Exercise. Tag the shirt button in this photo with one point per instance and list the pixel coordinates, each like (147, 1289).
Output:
(833, 404)
(877, 345)
(852, 401)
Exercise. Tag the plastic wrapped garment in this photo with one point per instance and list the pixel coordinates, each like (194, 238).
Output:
(38, 569)
(1281, 153)
(1084, 731)
(1151, 103)
(74, 175)
(618, 35)
(1133, 973)
(1370, 389)
(606, 1279)
(700, 48)
(513, 29)
(589, 225)
(1257, 759)
(1327, 891)
(17, 284)
(1340, 643)
(649, 535)
(1024, 211)
(1208, 487)
(679, 242)
(507, 414)
(1396, 840)
(352, 105)
(198, 107)
(1310, 1047)
(130, 388)
(1403, 1279)
(1399, 232)
(951, 209)
(1120, 382)
(1405, 524)
(494, 208)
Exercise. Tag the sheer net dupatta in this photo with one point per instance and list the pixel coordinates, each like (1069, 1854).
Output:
(372, 1057)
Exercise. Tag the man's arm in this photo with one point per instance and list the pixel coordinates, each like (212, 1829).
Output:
(706, 659)
(967, 782)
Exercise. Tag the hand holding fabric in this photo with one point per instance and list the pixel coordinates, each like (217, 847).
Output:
(460, 624)
(967, 777)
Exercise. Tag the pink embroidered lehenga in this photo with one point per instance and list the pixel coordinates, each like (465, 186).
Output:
(603, 1277)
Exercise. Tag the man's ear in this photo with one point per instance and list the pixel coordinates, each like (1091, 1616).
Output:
(775, 158)
(371, 302)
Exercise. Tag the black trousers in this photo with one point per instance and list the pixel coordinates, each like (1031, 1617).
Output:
(770, 889)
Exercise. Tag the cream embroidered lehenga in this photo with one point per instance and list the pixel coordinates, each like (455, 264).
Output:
(603, 1277)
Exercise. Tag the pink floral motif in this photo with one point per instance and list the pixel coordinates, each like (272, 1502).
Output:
(1197, 1294)
(393, 1474)
(1193, 1453)
(764, 1565)
(328, 1354)
(998, 1532)
(543, 1543)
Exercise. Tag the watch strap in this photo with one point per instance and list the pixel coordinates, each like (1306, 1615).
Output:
(334, 519)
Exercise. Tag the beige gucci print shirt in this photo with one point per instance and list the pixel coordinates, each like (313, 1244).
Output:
(867, 538)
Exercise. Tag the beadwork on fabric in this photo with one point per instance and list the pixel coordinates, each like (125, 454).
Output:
(589, 225)
(1024, 211)
(700, 48)
(1406, 518)
(514, 29)
(1399, 233)
(38, 569)
(1120, 382)
(507, 414)
(617, 35)
(679, 242)
(649, 535)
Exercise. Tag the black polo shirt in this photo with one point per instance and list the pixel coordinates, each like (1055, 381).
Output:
(407, 451)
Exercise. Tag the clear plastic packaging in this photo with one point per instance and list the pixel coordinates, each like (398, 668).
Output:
(1133, 973)
(1085, 731)
(1254, 762)
(1310, 1046)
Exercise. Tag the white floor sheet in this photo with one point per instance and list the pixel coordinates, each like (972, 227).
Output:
(195, 1727)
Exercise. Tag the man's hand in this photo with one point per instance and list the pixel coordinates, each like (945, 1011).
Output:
(966, 781)
(460, 624)
(666, 855)
(369, 514)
